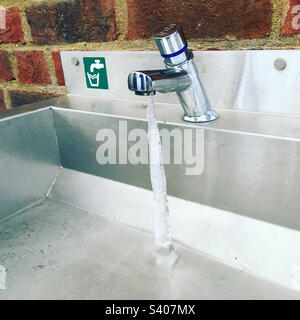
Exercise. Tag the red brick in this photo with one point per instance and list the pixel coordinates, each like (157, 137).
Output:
(32, 67)
(73, 21)
(2, 103)
(291, 17)
(214, 19)
(14, 30)
(21, 97)
(6, 73)
(58, 68)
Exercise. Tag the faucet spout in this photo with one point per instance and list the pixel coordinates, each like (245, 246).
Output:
(181, 76)
(96, 65)
(168, 80)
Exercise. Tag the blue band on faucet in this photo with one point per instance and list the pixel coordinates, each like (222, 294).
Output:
(175, 54)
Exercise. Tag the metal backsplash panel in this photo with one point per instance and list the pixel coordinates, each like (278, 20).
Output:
(241, 80)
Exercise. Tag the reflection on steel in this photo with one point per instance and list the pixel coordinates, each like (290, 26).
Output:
(29, 160)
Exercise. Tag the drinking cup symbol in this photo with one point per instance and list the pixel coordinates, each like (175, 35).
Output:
(94, 79)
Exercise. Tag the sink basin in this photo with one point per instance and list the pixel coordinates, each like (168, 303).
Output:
(57, 251)
(72, 228)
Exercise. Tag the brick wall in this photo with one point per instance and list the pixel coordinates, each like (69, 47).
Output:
(36, 31)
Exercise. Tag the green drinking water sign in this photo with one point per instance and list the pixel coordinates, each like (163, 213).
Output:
(95, 73)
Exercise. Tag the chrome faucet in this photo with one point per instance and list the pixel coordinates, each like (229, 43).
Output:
(181, 76)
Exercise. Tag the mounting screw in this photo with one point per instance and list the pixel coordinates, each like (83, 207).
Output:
(75, 61)
(280, 64)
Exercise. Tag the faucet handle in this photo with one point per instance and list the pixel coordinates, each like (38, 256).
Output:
(171, 41)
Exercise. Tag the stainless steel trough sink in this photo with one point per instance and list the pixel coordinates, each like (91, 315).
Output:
(71, 228)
